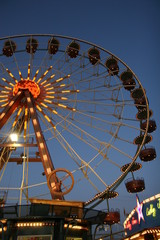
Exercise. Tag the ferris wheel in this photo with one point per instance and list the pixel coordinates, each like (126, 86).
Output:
(81, 116)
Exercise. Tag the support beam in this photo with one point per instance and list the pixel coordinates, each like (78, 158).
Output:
(42, 146)
(9, 109)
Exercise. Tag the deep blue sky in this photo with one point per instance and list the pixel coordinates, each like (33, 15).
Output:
(128, 28)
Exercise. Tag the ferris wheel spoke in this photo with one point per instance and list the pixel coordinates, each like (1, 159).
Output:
(95, 122)
(86, 122)
(16, 63)
(11, 75)
(87, 82)
(9, 83)
(65, 107)
(45, 60)
(43, 75)
(4, 165)
(29, 71)
(17, 116)
(45, 116)
(87, 138)
(74, 71)
(25, 122)
(3, 154)
(49, 86)
(59, 62)
(90, 140)
(78, 160)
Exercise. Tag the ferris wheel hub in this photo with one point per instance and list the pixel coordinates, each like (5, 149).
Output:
(27, 84)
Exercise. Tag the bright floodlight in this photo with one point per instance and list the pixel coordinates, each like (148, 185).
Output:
(14, 137)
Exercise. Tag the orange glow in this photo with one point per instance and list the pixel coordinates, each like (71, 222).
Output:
(29, 71)
(8, 88)
(50, 89)
(8, 82)
(63, 98)
(43, 82)
(20, 74)
(34, 121)
(60, 79)
(50, 109)
(30, 224)
(62, 85)
(38, 134)
(11, 103)
(46, 117)
(3, 96)
(50, 96)
(11, 75)
(36, 75)
(38, 108)
(52, 76)
(29, 99)
(16, 119)
(45, 100)
(27, 84)
(4, 100)
(25, 122)
(44, 105)
(61, 105)
(45, 157)
(4, 79)
(41, 145)
(31, 110)
(47, 85)
(66, 91)
(48, 170)
(6, 92)
(4, 104)
(44, 74)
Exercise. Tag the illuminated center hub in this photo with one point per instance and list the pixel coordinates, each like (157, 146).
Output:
(27, 84)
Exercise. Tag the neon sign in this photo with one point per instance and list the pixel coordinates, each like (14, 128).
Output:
(131, 223)
(145, 215)
(151, 211)
(158, 204)
(139, 210)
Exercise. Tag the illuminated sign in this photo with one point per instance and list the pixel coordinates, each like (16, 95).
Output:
(151, 211)
(130, 223)
(158, 204)
(139, 210)
(145, 215)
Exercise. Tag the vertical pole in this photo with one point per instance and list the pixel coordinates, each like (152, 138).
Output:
(132, 175)
(21, 189)
(2, 230)
(61, 228)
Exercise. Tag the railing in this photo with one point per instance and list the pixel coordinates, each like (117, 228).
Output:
(51, 211)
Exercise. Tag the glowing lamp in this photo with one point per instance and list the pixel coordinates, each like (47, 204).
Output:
(14, 137)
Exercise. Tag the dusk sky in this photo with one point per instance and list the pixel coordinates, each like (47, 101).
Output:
(130, 29)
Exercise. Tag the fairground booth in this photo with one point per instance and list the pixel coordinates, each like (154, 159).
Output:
(144, 220)
(47, 220)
